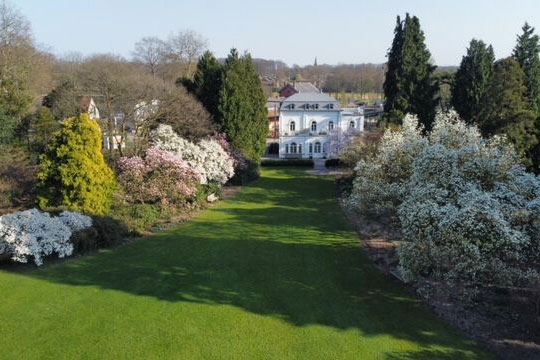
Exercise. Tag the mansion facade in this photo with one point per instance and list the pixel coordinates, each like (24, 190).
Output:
(311, 125)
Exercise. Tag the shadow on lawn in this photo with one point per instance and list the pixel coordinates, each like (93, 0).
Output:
(280, 248)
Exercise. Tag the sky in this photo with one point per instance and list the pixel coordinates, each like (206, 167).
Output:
(294, 31)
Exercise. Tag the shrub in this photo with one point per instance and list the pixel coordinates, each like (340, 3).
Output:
(469, 213)
(161, 177)
(34, 234)
(74, 174)
(105, 232)
(288, 162)
(251, 172)
(381, 182)
(208, 157)
(333, 163)
(138, 217)
(18, 178)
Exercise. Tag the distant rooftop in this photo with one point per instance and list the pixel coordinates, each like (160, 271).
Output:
(309, 97)
(305, 87)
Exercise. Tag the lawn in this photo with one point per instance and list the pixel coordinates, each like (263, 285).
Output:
(273, 273)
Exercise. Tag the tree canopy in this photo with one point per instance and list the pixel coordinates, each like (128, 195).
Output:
(472, 79)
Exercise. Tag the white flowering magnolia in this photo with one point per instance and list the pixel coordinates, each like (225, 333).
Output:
(381, 183)
(207, 158)
(469, 213)
(34, 234)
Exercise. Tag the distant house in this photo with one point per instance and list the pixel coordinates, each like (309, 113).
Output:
(89, 106)
(309, 121)
(298, 87)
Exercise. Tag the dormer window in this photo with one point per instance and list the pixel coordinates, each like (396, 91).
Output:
(330, 106)
(292, 106)
(313, 126)
(316, 106)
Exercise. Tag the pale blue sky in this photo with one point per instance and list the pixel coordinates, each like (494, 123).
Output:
(336, 31)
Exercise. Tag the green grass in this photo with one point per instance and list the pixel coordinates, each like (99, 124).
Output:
(274, 273)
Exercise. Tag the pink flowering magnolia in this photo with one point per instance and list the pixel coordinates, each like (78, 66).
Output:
(161, 177)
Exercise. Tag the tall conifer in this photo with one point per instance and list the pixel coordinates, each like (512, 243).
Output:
(409, 87)
(472, 79)
(242, 106)
(505, 109)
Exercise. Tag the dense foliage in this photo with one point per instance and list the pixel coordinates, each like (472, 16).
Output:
(469, 213)
(472, 79)
(242, 107)
(505, 109)
(74, 174)
(32, 234)
(408, 85)
(160, 178)
(207, 158)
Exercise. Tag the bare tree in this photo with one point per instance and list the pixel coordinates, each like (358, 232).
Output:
(185, 48)
(150, 51)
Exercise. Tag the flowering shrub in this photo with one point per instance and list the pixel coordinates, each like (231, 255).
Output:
(381, 182)
(207, 158)
(469, 213)
(35, 234)
(161, 177)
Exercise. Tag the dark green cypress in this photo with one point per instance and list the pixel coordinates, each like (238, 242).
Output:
(242, 106)
(395, 101)
(409, 86)
(505, 108)
(472, 79)
(526, 54)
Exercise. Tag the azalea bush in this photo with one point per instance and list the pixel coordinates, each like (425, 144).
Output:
(468, 211)
(160, 177)
(33, 235)
(207, 157)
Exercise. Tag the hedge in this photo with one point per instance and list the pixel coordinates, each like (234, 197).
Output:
(288, 162)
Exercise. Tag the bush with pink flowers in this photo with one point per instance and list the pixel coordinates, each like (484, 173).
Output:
(159, 178)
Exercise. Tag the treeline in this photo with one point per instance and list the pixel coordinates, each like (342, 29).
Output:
(501, 97)
(158, 84)
(354, 78)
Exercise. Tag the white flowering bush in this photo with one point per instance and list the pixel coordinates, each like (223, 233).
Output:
(469, 212)
(32, 234)
(207, 158)
(381, 182)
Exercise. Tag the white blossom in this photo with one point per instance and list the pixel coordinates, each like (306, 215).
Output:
(34, 234)
(207, 158)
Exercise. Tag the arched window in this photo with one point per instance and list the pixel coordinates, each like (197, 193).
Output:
(317, 147)
(331, 125)
(292, 126)
(293, 148)
(311, 148)
(286, 148)
(351, 124)
(313, 126)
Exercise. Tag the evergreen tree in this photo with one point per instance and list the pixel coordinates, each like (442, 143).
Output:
(505, 109)
(206, 84)
(44, 126)
(74, 174)
(409, 87)
(395, 102)
(526, 54)
(472, 79)
(242, 106)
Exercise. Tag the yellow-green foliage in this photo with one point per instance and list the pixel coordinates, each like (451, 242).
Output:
(74, 174)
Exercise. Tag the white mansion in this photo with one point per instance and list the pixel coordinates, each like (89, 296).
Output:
(310, 123)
